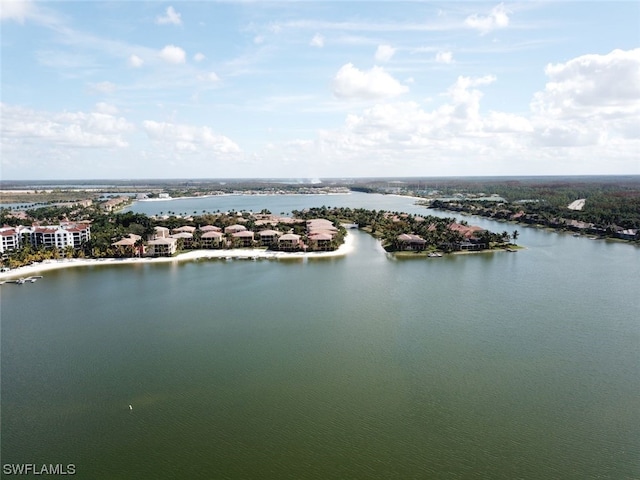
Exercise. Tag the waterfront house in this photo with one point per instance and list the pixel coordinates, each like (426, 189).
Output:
(126, 246)
(408, 241)
(184, 229)
(161, 232)
(184, 238)
(242, 238)
(210, 228)
(320, 241)
(211, 239)
(268, 237)
(231, 229)
(162, 247)
(628, 234)
(320, 224)
(289, 242)
(115, 203)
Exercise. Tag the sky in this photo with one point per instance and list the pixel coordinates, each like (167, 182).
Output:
(318, 89)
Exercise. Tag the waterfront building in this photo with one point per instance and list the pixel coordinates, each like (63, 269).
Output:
(289, 242)
(408, 241)
(60, 236)
(211, 239)
(243, 238)
(183, 237)
(126, 246)
(231, 229)
(162, 247)
(9, 239)
(268, 237)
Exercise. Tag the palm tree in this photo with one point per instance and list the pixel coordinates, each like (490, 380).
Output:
(138, 246)
(514, 235)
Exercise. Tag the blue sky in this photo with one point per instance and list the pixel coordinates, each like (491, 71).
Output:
(133, 89)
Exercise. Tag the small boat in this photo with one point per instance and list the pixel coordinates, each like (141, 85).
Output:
(130, 407)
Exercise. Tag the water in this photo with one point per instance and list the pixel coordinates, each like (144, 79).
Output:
(496, 365)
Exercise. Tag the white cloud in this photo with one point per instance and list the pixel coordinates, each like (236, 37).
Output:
(103, 87)
(106, 108)
(444, 57)
(350, 82)
(190, 138)
(171, 17)
(67, 129)
(173, 54)
(135, 61)
(317, 41)
(17, 10)
(198, 57)
(603, 84)
(497, 18)
(210, 77)
(384, 53)
(589, 100)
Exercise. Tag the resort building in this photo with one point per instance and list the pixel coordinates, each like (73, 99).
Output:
(162, 247)
(114, 203)
(9, 239)
(231, 229)
(210, 228)
(289, 242)
(211, 239)
(161, 232)
(268, 237)
(184, 238)
(407, 241)
(184, 229)
(130, 245)
(61, 236)
(243, 238)
(320, 241)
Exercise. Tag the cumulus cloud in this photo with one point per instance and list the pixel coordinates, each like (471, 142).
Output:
(587, 111)
(444, 57)
(173, 54)
(497, 18)
(171, 17)
(190, 138)
(607, 84)
(384, 53)
(68, 129)
(350, 82)
(198, 57)
(135, 61)
(317, 41)
(590, 99)
(17, 10)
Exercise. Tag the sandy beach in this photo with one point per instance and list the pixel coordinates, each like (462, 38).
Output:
(237, 253)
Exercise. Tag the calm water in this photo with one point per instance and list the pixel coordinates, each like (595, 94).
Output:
(488, 366)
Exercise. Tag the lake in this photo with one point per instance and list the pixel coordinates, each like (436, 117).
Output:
(494, 365)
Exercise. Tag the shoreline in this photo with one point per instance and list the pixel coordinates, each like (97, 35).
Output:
(236, 253)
